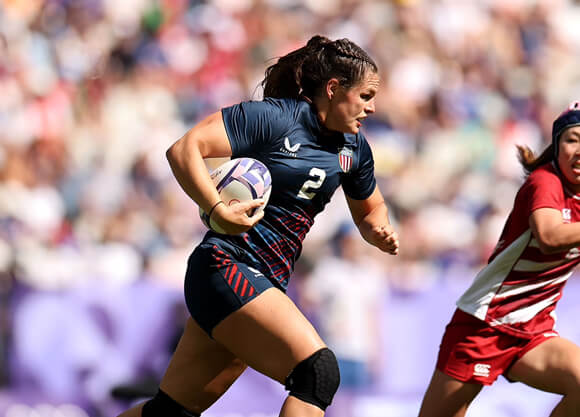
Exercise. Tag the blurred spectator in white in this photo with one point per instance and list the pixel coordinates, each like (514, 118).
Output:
(345, 291)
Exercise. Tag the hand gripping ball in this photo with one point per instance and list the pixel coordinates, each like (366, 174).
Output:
(239, 180)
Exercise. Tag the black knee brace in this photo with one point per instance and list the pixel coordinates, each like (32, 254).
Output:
(315, 379)
(162, 405)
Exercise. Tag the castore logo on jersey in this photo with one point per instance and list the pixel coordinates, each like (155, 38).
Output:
(256, 272)
(290, 149)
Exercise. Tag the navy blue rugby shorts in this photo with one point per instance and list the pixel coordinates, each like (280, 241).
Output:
(219, 280)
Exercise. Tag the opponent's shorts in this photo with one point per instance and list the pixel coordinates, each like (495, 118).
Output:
(473, 351)
(219, 280)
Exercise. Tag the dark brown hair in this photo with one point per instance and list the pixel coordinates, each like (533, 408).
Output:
(530, 161)
(306, 70)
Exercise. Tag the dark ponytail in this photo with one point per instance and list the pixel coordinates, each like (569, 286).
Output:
(530, 161)
(305, 71)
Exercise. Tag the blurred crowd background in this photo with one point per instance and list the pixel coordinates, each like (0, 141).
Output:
(95, 232)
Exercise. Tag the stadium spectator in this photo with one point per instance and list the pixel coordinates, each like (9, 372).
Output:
(345, 291)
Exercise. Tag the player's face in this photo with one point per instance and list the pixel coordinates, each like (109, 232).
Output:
(569, 156)
(349, 107)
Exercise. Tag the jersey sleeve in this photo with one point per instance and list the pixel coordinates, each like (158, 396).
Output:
(252, 125)
(542, 189)
(360, 182)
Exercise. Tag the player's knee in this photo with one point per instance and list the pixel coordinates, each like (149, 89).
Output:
(315, 380)
(162, 405)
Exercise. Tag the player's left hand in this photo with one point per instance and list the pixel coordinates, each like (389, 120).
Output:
(385, 238)
(236, 218)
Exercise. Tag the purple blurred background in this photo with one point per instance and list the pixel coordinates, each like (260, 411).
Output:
(95, 232)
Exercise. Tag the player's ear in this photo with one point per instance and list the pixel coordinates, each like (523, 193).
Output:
(331, 87)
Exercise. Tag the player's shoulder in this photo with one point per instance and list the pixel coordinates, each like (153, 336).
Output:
(267, 104)
(544, 175)
(275, 110)
(288, 105)
(355, 140)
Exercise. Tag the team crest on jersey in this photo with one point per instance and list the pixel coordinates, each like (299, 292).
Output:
(566, 215)
(345, 159)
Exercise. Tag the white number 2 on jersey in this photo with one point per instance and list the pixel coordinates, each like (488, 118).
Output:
(312, 185)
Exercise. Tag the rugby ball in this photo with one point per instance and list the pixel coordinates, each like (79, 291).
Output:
(239, 180)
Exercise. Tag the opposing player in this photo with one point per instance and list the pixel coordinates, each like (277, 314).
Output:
(504, 323)
(306, 131)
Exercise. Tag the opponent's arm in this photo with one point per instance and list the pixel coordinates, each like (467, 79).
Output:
(208, 139)
(552, 234)
(371, 216)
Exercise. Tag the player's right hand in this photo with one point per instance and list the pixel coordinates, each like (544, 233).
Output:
(235, 219)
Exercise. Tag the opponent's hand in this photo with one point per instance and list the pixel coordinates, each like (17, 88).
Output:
(235, 219)
(385, 238)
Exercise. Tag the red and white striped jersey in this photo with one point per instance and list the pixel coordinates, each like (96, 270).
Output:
(518, 289)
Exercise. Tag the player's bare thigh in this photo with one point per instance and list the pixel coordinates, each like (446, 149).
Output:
(552, 366)
(270, 334)
(200, 371)
(447, 397)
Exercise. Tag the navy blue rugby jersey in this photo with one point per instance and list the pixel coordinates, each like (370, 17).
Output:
(307, 163)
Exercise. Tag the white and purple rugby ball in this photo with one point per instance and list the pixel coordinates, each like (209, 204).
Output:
(238, 180)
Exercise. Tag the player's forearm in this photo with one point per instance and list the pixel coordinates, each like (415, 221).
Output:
(188, 166)
(378, 216)
(373, 221)
(376, 230)
(560, 238)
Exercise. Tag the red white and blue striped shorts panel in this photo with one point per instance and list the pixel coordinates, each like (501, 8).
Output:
(219, 282)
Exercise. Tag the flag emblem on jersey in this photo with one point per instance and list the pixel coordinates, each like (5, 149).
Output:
(345, 159)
